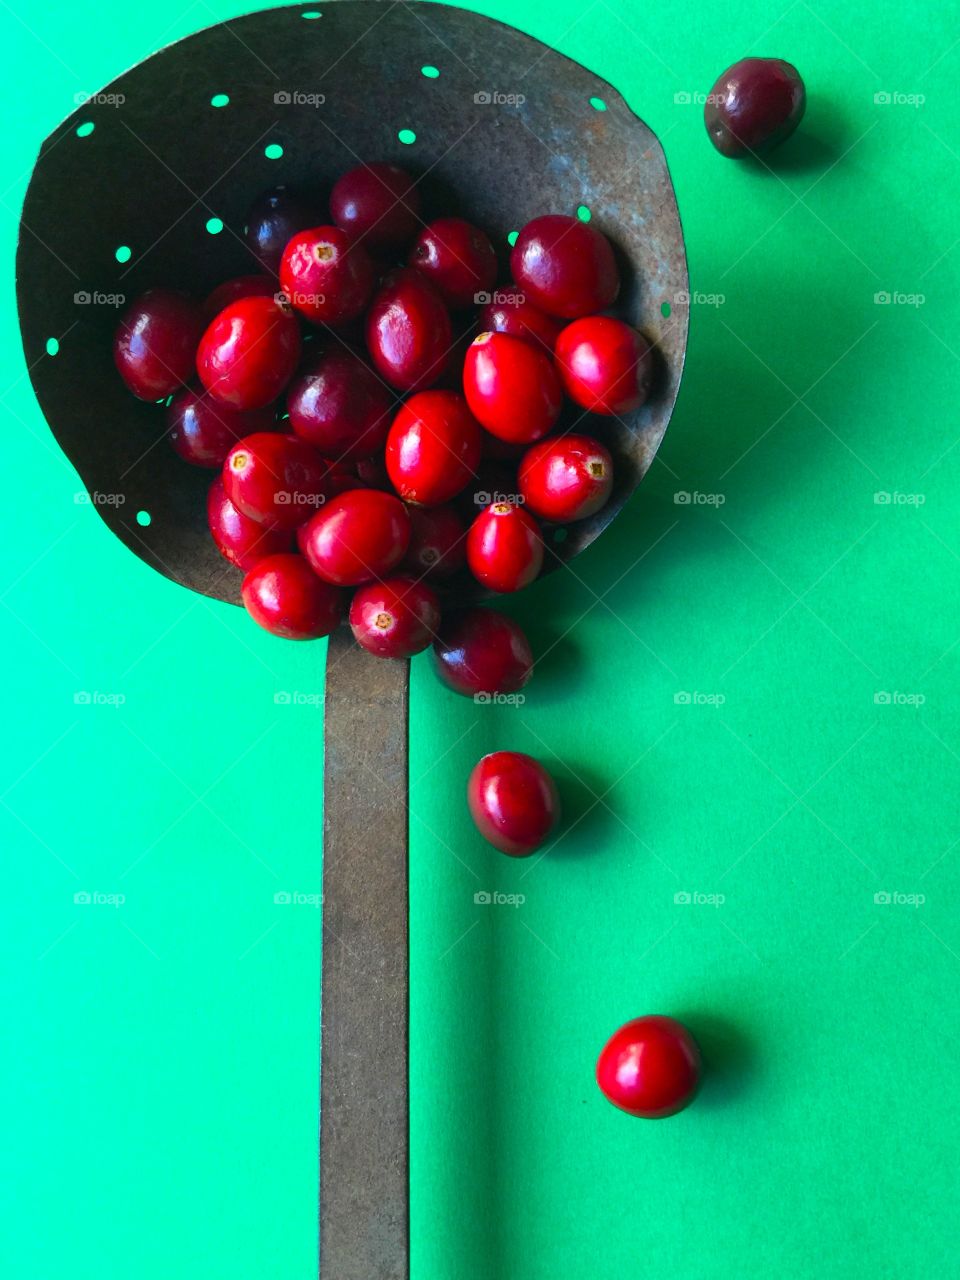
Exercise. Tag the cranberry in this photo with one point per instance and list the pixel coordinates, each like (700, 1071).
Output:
(156, 342)
(377, 203)
(327, 277)
(606, 366)
(242, 541)
(504, 548)
(482, 652)
(338, 404)
(203, 431)
(276, 479)
(437, 536)
(650, 1067)
(754, 106)
(275, 217)
(408, 331)
(285, 597)
(458, 258)
(513, 801)
(234, 290)
(358, 536)
(249, 352)
(511, 387)
(433, 448)
(565, 266)
(511, 311)
(568, 478)
(396, 618)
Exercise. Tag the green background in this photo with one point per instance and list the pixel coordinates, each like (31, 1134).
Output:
(707, 696)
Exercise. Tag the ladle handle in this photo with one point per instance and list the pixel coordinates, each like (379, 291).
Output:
(364, 1108)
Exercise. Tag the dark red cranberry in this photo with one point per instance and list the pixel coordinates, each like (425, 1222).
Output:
(396, 618)
(511, 311)
(156, 343)
(408, 331)
(605, 366)
(504, 548)
(358, 536)
(650, 1067)
(337, 403)
(511, 387)
(754, 106)
(275, 217)
(276, 479)
(565, 266)
(203, 431)
(378, 204)
(437, 538)
(287, 598)
(234, 290)
(327, 277)
(249, 352)
(480, 651)
(433, 447)
(457, 258)
(242, 541)
(568, 478)
(513, 801)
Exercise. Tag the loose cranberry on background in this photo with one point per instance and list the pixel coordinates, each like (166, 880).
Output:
(754, 106)
(650, 1067)
(242, 541)
(327, 277)
(338, 404)
(378, 204)
(457, 258)
(276, 479)
(605, 366)
(433, 448)
(504, 548)
(511, 387)
(203, 431)
(155, 344)
(437, 538)
(249, 352)
(274, 218)
(286, 598)
(358, 536)
(568, 478)
(396, 618)
(511, 311)
(408, 331)
(513, 801)
(565, 266)
(479, 652)
(234, 290)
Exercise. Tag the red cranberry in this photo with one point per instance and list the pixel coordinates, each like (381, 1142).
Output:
(511, 311)
(358, 536)
(754, 106)
(433, 448)
(286, 598)
(437, 536)
(650, 1067)
(203, 431)
(156, 342)
(276, 479)
(408, 331)
(511, 387)
(234, 290)
(338, 404)
(457, 258)
(327, 277)
(565, 266)
(568, 478)
(396, 618)
(513, 801)
(606, 366)
(482, 652)
(242, 541)
(275, 217)
(377, 203)
(504, 548)
(249, 352)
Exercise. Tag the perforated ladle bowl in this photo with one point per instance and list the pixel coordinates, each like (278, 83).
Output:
(148, 183)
